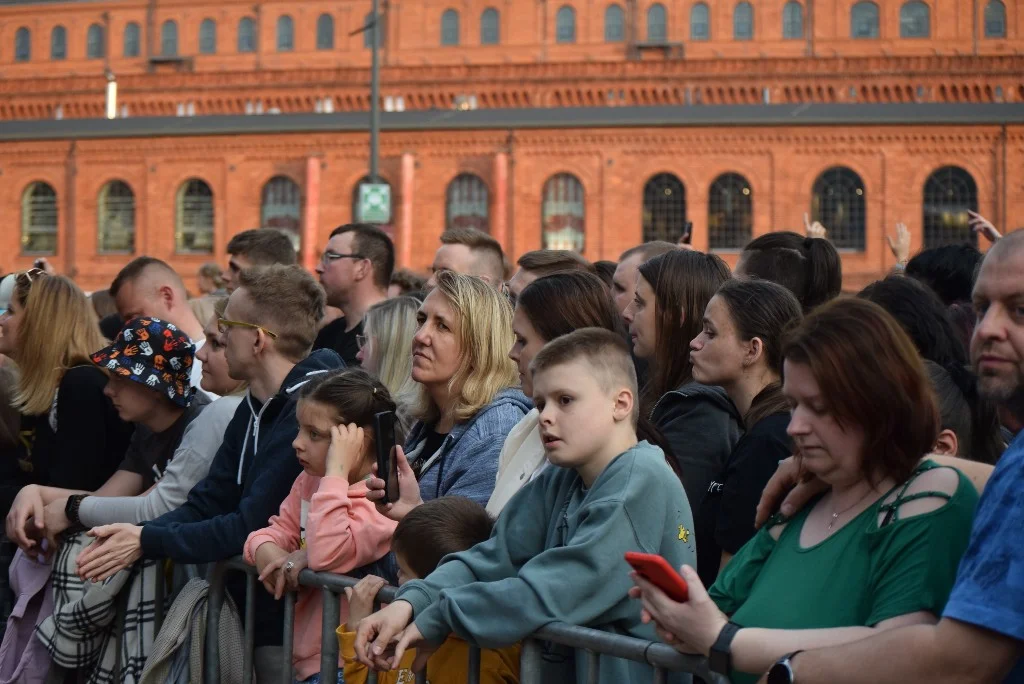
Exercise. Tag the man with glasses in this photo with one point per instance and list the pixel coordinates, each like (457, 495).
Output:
(355, 270)
(268, 328)
(257, 247)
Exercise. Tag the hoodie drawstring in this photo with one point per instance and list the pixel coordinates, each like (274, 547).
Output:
(256, 418)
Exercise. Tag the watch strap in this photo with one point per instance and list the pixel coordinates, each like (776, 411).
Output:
(782, 670)
(71, 509)
(720, 658)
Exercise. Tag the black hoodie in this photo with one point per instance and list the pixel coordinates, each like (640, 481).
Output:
(249, 477)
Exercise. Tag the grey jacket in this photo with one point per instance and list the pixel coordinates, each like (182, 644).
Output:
(702, 426)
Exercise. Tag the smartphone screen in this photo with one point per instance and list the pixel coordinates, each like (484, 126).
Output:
(387, 462)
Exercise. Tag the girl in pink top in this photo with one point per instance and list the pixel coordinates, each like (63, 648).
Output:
(326, 523)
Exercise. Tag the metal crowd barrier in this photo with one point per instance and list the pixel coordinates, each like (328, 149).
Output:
(662, 658)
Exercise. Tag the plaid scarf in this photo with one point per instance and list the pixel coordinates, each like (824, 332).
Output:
(84, 633)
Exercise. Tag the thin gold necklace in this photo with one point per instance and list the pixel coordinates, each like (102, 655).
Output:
(836, 514)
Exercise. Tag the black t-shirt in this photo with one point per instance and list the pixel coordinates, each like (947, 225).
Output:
(89, 442)
(149, 452)
(431, 444)
(333, 336)
(726, 520)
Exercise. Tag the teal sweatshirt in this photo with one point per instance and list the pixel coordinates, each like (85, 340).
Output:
(556, 554)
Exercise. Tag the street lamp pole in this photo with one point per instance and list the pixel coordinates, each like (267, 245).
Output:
(374, 92)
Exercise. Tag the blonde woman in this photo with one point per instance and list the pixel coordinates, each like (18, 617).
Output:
(468, 396)
(75, 439)
(385, 350)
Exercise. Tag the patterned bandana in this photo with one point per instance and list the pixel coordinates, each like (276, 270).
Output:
(153, 353)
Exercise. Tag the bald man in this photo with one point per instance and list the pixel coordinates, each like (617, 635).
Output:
(149, 287)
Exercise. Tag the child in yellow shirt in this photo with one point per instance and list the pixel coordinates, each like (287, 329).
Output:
(427, 534)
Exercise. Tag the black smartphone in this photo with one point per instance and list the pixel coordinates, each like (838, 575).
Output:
(387, 461)
(688, 232)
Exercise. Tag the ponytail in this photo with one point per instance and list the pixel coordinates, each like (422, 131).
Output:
(768, 402)
(810, 268)
(824, 271)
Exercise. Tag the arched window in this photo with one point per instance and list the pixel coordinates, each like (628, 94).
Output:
(169, 38)
(915, 20)
(285, 33)
(793, 20)
(565, 25)
(657, 23)
(700, 22)
(949, 193)
(563, 224)
(838, 202)
(614, 24)
(730, 212)
(995, 19)
(450, 27)
(743, 21)
(325, 32)
(468, 203)
(864, 20)
(58, 43)
(246, 35)
(355, 197)
(22, 45)
(490, 27)
(39, 219)
(132, 40)
(115, 226)
(208, 37)
(664, 208)
(193, 232)
(281, 207)
(371, 29)
(95, 45)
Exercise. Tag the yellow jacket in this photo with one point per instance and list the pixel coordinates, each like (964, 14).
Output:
(448, 665)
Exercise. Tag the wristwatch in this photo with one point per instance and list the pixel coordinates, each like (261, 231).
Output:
(782, 671)
(71, 509)
(720, 658)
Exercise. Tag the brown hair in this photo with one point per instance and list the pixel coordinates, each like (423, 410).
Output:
(212, 271)
(408, 281)
(808, 267)
(263, 247)
(560, 303)
(373, 244)
(765, 310)
(479, 242)
(893, 404)
(605, 351)
(287, 301)
(437, 528)
(683, 281)
(544, 262)
(137, 267)
(649, 250)
(353, 394)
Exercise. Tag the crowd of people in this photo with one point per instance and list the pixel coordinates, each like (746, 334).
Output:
(835, 475)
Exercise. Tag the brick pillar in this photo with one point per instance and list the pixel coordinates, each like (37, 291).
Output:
(311, 214)
(404, 232)
(499, 219)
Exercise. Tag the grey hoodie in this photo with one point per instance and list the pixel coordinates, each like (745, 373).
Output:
(702, 426)
(556, 554)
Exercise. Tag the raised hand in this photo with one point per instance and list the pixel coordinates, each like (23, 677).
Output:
(901, 245)
(980, 224)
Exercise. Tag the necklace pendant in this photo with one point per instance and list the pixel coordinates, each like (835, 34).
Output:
(832, 521)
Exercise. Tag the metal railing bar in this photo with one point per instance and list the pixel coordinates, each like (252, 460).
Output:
(250, 628)
(329, 638)
(474, 665)
(593, 667)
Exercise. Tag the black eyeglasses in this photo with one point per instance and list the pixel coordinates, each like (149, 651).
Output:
(330, 256)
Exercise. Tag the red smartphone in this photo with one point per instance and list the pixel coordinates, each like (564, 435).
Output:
(658, 572)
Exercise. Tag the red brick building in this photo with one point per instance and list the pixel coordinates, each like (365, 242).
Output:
(575, 123)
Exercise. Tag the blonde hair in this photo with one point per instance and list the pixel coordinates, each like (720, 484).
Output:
(392, 324)
(58, 331)
(483, 321)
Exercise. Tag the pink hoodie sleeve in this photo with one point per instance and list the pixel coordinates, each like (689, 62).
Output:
(344, 531)
(284, 527)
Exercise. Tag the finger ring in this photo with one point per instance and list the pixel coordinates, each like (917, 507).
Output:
(289, 565)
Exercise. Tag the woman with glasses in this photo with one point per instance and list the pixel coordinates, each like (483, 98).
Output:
(385, 350)
(74, 438)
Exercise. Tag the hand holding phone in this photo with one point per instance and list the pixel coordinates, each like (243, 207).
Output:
(387, 463)
(658, 572)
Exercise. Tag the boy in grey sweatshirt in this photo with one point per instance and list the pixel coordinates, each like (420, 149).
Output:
(556, 553)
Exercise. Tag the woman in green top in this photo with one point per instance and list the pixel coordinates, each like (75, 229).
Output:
(880, 549)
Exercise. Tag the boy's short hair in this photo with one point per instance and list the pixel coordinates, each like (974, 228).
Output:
(263, 247)
(606, 353)
(437, 528)
(542, 262)
(287, 301)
